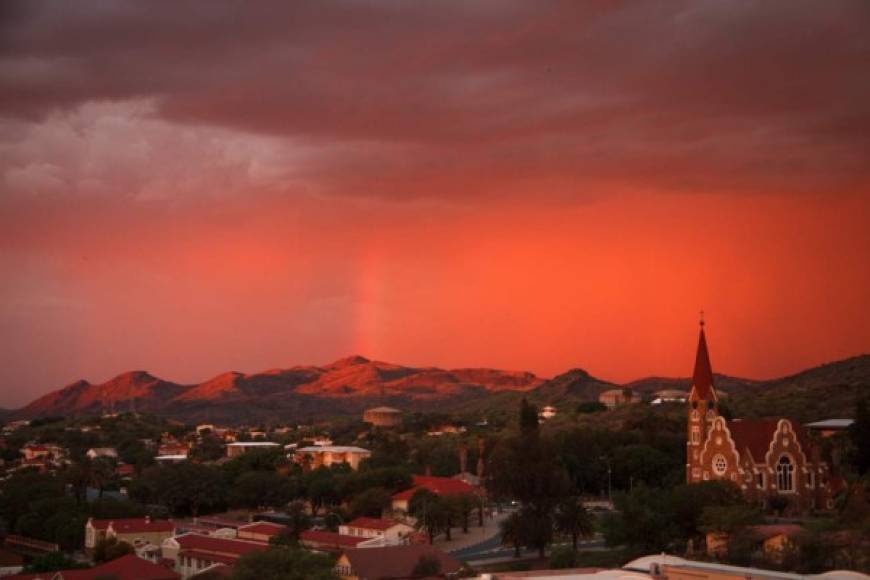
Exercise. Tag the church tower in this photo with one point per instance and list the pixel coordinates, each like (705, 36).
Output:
(702, 409)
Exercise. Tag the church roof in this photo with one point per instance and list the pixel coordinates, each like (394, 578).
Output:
(702, 378)
(756, 435)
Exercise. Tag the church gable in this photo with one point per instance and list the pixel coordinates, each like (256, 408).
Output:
(720, 458)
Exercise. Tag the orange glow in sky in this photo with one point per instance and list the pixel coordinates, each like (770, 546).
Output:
(528, 186)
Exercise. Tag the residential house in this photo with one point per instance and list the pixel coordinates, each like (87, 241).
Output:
(388, 532)
(193, 553)
(385, 417)
(102, 452)
(260, 531)
(442, 486)
(617, 397)
(393, 562)
(325, 541)
(326, 455)
(129, 530)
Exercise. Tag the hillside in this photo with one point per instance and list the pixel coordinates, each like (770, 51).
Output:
(345, 386)
(352, 384)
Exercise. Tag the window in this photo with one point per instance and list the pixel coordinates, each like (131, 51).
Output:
(720, 464)
(696, 435)
(812, 479)
(760, 480)
(785, 474)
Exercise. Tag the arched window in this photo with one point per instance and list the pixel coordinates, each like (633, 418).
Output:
(785, 474)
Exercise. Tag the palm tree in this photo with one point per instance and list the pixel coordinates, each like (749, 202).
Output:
(512, 532)
(573, 519)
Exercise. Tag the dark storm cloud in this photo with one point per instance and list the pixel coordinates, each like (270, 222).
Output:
(438, 96)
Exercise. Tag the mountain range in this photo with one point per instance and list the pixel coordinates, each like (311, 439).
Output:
(352, 384)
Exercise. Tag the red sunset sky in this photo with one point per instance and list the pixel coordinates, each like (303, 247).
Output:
(523, 185)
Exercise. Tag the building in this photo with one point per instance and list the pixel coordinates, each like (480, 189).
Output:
(129, 567)
(392, 562)
(547, 412)
(767, 458)
(830, 427)
(130, 530)
(617, 397)
(442, 486)
(326, 455)
(10, 563)
(669, 396)
(102, 452)
(259, 531)
(240, 447)
(387, 532)
(383, 417)
(193, 553)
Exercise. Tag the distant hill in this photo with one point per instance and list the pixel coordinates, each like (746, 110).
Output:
(352, 384)
(345, 386)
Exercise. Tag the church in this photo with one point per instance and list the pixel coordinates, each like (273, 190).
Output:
(765, 457)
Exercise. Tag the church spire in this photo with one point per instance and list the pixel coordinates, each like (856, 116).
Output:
(702, 378)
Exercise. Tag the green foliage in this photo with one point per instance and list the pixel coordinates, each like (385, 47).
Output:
(563, 557)
(262, 489)
(108, 549)
(430, 512)
(528, 418)
(183, 488)
(53, 561)
(298, 522)
(209, 448)
(283, 563)
(587, 407)
(573, 520)
(859, 435)
(512, 532)
(370, 502)
(655, 520)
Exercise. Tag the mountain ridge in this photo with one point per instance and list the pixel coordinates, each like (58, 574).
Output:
(354, 383)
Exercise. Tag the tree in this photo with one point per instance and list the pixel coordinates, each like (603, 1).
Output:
(261, 488)
(859, 435)
(463, 505)
(297, 522)
(429, 512)
(283, 563)
(183, 488)
(209, 448)
(573, 519)
(528, 418)
(102, 472)
(427, 566)
(53, 561)
(512, 532)
(111, 549)
(370, 503)
(563, 557)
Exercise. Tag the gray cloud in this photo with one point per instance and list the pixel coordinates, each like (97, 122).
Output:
(437, 98)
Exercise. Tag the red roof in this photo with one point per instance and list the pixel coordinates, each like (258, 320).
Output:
(396, 561)
(756, 435)
(135, 525)
(702, 378)
(438, 486)
(129, 567)
(325, 538)
(213, 545)
(265, 528)
(380, 524)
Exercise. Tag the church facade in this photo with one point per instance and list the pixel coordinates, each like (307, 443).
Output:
(766, 458)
